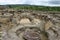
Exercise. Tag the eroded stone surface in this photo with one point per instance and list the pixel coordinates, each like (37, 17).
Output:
(36, 21)
(25, 21)
(48, 25)
(31, 35)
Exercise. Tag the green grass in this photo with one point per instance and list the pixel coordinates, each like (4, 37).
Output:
(32, 7)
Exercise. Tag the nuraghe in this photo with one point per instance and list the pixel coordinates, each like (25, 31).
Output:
(29, 25)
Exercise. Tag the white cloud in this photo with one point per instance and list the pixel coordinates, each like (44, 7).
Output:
(32, 2)
(11, 1)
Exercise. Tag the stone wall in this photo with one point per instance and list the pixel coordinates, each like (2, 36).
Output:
(29, 25)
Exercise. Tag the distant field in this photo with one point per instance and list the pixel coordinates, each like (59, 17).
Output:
(33, 7)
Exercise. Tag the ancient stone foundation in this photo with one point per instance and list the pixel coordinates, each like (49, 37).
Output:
(29, 25)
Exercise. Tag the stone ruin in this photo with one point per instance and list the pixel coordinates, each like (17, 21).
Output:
(29, 25)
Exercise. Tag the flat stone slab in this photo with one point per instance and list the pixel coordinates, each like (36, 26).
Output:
(25, 21)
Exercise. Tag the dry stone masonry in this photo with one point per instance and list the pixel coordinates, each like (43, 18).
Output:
(29, 25)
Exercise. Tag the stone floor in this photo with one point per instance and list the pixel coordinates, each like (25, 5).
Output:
(29, 25)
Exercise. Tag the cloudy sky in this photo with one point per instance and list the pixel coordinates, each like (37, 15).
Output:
(32, 2)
